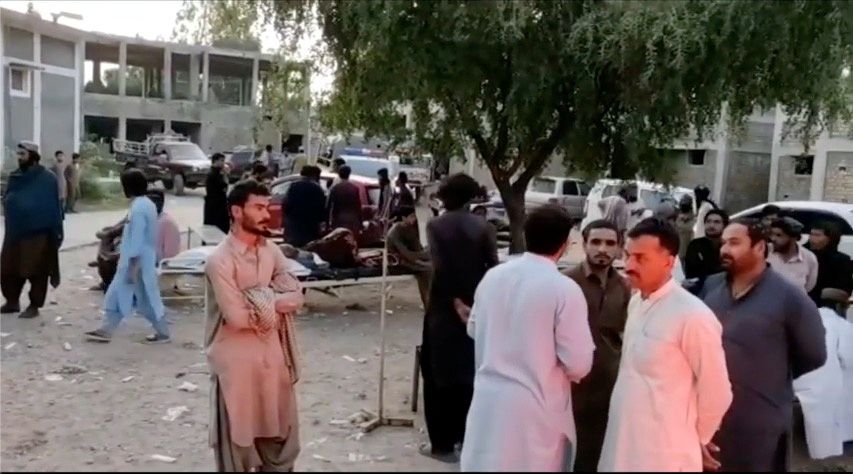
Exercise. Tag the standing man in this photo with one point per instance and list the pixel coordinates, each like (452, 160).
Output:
(770, 213)
(673, 388)
(614, 209)
(33, 232)
(304, 208)
(404, 240)
(462, 248)
(72, 178)
(215, 189)
(607, 294)
(344, 207)
(531, 340)
(834, 269)
(704, 205)
(59, 171)
(703, 253)
(254, 424)
(771, 332)
(790, 259)
(405, 196)
(385, 194)
(135, 285)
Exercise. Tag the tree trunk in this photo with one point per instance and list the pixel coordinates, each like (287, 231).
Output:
(514, 204)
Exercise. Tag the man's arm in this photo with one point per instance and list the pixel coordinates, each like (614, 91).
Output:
(235, 309)
(292, 299)
(692, 260)
(572, 336)
(806, 334)
(490, 247)
(702, 346)
(811, 279)
(397, 244)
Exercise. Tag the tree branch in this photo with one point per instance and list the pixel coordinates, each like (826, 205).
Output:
(543, 149)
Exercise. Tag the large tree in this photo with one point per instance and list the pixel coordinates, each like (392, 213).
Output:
(604, 83)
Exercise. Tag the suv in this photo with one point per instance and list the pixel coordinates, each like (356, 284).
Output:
(172, 159)
(569, 193)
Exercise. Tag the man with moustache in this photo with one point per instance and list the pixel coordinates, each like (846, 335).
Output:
(249, 342)
(772, 333)
(703, 253)
(672, 389)
(607, 294)
(790, 259)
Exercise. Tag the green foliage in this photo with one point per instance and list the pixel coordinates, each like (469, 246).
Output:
(224, 23)
(603, 82)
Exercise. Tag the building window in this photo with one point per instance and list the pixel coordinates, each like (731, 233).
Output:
(19, 82)
(696, 157)
(803, 165)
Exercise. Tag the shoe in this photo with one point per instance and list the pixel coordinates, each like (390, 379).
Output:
(9, 308)
(448, 457)
(29, 313)
(98, 287)
(157, 339)
(98, 335)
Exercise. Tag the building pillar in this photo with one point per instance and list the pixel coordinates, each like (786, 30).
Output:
(167, 74)
(36, 93)
(254, 92)
(79, 64)
(775, 154)
(2, 99)
(819, 168)
(205, 76)
(194, 77)
(721, 165)
(96, 73)
(167, 125)
(122, 68)
(122, 128)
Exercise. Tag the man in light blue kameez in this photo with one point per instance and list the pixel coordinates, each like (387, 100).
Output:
(135, 284)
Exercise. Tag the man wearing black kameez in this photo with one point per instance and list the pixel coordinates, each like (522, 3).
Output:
(216, 188)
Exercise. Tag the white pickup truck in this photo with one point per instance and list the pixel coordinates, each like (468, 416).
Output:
(569, 193)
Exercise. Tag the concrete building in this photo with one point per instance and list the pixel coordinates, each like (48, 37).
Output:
(62, 85)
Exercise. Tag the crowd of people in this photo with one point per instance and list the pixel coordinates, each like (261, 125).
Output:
(525, 367)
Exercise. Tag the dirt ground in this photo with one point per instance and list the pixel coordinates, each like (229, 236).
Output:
(106, 413)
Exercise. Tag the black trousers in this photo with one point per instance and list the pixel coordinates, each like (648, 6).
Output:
(445, 411)
(13, 286)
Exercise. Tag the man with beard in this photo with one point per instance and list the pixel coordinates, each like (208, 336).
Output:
(672, 389)
(703, 253)
(249, 342)
(33, 233)
(135, 286)
(607, 294)
(772, 332)
(833, 267)
(462, 248)
(215, 188)
(790, 259)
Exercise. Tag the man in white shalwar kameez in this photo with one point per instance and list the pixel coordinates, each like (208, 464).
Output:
(821, 392)
(673, 388)
(531, 341)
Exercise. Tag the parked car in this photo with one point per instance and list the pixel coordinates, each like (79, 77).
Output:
(649, 197)
(809, 212)
(172, 159)
(569, 193)
(239, 161)
(368, 193)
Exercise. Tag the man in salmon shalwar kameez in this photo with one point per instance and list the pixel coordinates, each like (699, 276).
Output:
(254, 422)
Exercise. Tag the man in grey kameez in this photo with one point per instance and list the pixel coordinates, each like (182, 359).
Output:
(772, 333)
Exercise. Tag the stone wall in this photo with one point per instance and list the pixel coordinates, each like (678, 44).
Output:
(689, 175)
(791, 186)
(838, 185)
(747, 180)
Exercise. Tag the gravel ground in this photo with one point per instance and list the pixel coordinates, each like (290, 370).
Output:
(106, 412)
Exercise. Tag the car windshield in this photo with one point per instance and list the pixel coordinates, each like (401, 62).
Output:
(543, 185)
(186, 152)
(368, 168)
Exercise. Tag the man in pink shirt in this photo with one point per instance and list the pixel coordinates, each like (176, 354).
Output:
(168, 232)
(249, 342)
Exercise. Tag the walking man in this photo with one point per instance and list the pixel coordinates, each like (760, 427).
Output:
(607, 294)
(462, 249)
(33, 233)
(135, 284)
(304, 208)
(793, 261)
(614, 209)
(531, 341)
(771, 332)
(673, 388)
(344, 204)
(215, 189)
(250, 343)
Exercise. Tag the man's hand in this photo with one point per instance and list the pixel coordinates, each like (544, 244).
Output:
(709, 462)
(463, 310)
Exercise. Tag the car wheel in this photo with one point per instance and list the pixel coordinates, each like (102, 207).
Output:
(179, 184)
